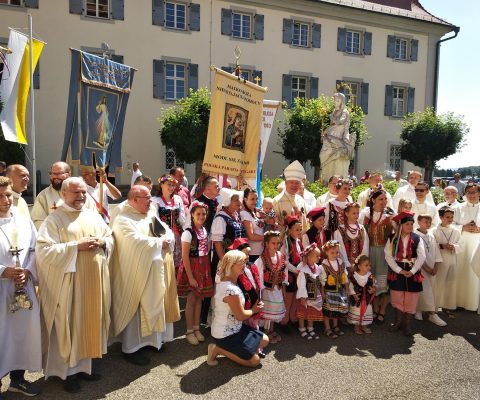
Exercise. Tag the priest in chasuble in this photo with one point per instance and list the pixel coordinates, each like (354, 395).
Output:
(73, 249)
(144, 293)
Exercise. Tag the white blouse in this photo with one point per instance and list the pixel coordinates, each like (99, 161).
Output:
(224, 322)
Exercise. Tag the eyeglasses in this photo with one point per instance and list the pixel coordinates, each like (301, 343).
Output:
(420, 190)
(143, 197)
(57, 173)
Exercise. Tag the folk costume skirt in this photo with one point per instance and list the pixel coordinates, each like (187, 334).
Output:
(335, 304)
(200, 267)
(309, 313)
(244, 343)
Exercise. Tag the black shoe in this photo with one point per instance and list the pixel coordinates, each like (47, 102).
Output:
(24, 387)
(71, 384)
(261, 354)
(89, 377)
(136, 358)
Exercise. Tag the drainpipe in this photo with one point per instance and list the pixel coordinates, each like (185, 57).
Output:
(456, 29)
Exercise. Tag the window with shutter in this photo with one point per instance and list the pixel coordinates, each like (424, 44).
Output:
(11, 2)
(353, 42)
(241, 25)
(299, 87)
(175, 15)
(399, 101)
(301, 34)
(174, 81)
(97, 8)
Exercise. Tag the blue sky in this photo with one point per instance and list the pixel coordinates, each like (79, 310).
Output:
(459, 64)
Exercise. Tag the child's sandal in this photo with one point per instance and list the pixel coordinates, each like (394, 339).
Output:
(314, 335)
(329, 333)
(366, 329)
(338, 331)
(358, 330)
(304, 334)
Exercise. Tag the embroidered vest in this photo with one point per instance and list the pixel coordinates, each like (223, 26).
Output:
(273, 275)
(313, 286)
(353, 246)
(234, 230)
(362, 291)
(335, 279)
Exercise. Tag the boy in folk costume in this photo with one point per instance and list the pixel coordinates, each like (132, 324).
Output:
(317, 233)
(426, 302)
(405, 255)
(292, 249)
(351, 235)
(447, 237)
(309, 292)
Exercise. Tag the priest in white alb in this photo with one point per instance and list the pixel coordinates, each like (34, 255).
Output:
(73, 249)
(144, 293)
(20, 342)
(19, 177)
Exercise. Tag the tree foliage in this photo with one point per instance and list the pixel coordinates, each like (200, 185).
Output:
(10, 152)
(184, 127)
(300, 136)
(428, 137)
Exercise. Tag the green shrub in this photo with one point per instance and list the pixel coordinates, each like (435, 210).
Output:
(269, 186)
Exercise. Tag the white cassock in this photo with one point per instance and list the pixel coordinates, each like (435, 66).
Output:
(20, 343)
(425, 208)
(468, 282)
(408, 192)
(426, 301)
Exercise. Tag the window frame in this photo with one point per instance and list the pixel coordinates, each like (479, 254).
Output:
(308, 38)
(21, 3)
(175, 80)
(109, 10)
(399, 41)
(396, 100)
(297, 89)
(395, 162)
(360, 41)
(170, 154)
(357, 96)
(185, 22)
(251, 22)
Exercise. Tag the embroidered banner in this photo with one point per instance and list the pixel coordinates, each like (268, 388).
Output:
(234, 126)
(103, 87)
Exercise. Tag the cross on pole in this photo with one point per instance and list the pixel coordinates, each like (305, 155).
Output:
(257, 79)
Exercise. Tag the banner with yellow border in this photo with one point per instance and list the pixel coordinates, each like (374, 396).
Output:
(234, 126)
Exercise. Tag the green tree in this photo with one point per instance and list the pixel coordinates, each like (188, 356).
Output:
(300, 136)
(184, 128)
(10, 152)
(428, 137)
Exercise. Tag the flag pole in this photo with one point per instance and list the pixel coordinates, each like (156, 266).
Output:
(32, 108)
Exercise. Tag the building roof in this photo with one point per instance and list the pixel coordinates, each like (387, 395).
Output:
(400, 8)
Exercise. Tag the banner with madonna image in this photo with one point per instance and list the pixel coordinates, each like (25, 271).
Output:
(101, 87)
(234, 127)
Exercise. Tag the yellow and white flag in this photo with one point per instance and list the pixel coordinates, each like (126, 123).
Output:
(15, 85)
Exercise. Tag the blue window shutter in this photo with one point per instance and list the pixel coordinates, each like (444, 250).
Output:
(117, 58)
(411, 100)
(364, 97)
(75, 6)
(287, 89)
(227, 69)
(260, 75)
(31, 3)
(194, 17)
(313, 87)
(158, 79)
(342, 39)
(226, 22)
(36, 76)
(287, 31)
(414, 50)
(316, 35)
(259, 23)
(158, 12)
(388, 100)
(367, 43)
(391, 46)
(117, 9)
(193, 76)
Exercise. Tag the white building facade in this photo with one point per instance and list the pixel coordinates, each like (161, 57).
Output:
(298, 48)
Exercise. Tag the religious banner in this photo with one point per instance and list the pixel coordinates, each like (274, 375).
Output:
(101, 87)
(270, 108)
(15, 85)
(234, 126)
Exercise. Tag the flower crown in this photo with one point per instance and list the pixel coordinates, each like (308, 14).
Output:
(343, 181)
(197, 203)
(167, 178)
(330, 244)
(308, 250)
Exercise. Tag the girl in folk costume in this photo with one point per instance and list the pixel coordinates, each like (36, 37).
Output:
(309, 292)
(291, 249)
(405, 255)
(404, 205)
(171, 211)
(447, 237)
(426, 301)
(317, 233)
(333, 278)
(334, 211)
(252, 223)
(351, 235)
(362, 292)
(377, 221)
(272, 267)
(194, 279)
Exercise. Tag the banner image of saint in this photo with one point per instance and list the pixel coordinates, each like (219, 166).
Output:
(235, 127)
(102, 108)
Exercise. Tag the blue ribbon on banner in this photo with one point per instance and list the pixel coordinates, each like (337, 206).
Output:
(105, 89)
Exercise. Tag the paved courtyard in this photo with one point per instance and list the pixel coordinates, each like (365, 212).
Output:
(437, 363)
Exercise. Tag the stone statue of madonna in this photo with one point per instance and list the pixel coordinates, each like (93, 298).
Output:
(338, 143)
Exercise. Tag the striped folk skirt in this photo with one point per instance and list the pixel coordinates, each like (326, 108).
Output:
(353, 316)
(273, 304)
(335, 304)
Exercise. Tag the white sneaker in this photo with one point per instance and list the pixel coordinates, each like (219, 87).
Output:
(419, 316)
(434, 318)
